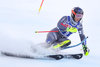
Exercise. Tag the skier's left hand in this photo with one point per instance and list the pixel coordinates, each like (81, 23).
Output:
(72, 29)
(86, 50)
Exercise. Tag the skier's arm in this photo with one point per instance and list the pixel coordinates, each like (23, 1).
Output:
(82, 37)
(62, 21)
(81, 34)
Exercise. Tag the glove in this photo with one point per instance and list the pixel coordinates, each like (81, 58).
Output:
(86, 50)
(72, 29)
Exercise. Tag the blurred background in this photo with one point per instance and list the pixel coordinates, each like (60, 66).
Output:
(19, 19)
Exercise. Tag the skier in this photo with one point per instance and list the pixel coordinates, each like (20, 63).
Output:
(66, 26)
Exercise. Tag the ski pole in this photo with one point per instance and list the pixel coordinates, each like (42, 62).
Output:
(50, 31)
(45, 31)
(76, 44)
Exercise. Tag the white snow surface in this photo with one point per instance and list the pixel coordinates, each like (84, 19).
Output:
(19, 19)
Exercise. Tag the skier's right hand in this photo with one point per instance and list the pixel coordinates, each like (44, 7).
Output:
(86, 50)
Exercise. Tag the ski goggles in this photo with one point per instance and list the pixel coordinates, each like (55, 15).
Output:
(79, 15)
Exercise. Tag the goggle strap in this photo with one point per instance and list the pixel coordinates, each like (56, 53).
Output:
(73, 12)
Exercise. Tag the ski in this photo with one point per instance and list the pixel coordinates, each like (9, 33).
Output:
(67, 56)
(74, 56)
(48, 57)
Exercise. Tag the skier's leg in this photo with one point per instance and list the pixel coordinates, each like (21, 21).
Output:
(52, 37)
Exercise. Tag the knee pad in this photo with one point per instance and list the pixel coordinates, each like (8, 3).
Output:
(62, 44)
(67, 44)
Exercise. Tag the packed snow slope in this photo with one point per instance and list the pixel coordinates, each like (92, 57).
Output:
(19, 19)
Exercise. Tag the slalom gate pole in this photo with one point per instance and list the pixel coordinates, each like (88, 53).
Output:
(41, 6)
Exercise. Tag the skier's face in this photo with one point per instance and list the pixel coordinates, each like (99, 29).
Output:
(78, 17)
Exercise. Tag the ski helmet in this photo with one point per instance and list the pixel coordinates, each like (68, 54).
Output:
(77, 11)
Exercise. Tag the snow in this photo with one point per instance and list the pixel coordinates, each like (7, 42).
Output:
(19, 19)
